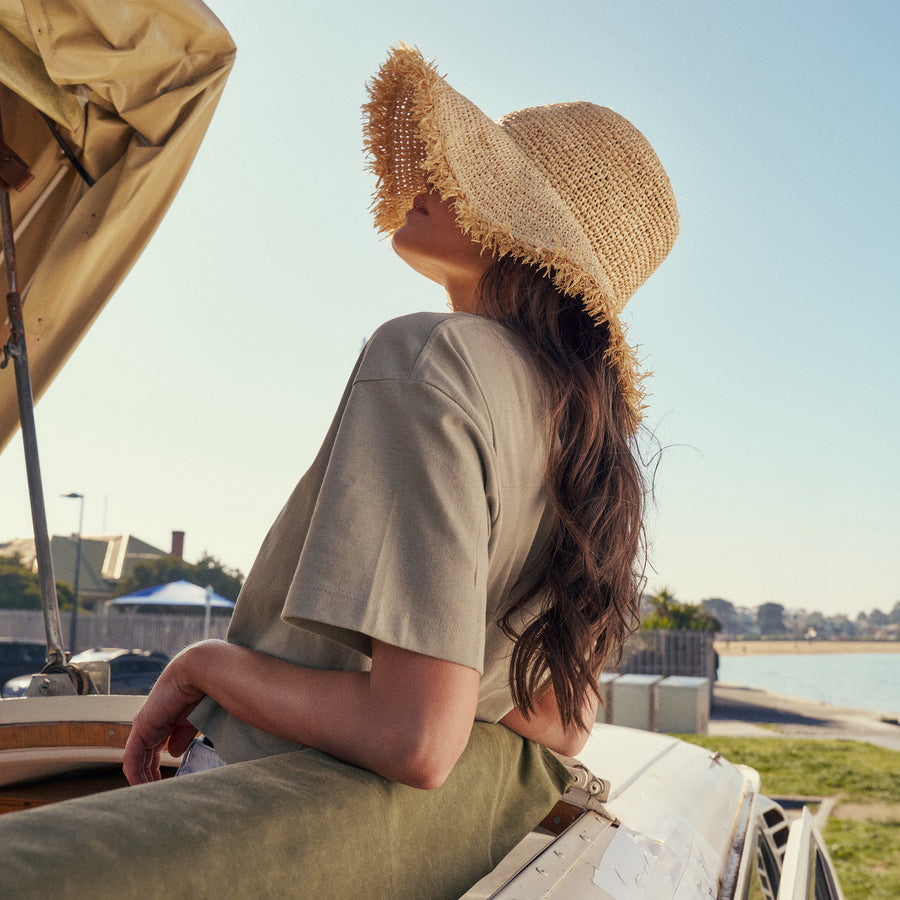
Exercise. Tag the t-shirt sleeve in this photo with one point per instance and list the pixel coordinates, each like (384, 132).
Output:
(397, 548)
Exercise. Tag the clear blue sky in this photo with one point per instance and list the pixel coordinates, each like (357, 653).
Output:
(203, 391)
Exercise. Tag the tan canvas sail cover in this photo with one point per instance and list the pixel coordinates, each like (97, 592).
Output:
(131, 88)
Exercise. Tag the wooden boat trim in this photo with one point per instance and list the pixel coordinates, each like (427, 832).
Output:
(45, 737)
(22, 736)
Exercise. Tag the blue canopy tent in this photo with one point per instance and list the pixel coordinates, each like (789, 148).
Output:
(177, 594)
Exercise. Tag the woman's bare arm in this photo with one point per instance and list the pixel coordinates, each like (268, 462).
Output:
(408, 719)
(545, 726)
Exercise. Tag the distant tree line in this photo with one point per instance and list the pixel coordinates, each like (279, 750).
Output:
(662, 611)
(774, 620)
(164, 569)
(20, 588)
(665, 613)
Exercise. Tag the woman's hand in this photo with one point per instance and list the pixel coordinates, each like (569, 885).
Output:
(162, 720)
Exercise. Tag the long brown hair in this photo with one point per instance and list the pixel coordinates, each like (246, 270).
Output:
(592, 568)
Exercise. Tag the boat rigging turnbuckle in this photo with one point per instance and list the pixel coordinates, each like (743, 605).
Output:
(13, 172)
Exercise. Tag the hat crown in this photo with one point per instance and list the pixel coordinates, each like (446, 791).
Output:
(608, 176)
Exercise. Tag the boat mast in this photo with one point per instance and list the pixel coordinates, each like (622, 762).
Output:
(14, 174)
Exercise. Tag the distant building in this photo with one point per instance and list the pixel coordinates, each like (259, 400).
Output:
(105, 560)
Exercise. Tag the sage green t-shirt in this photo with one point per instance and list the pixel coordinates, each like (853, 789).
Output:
(412, 526)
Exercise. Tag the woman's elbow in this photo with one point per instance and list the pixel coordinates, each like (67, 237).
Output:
(571, 742)
(566, 741)
(425, 765)
(424, 777)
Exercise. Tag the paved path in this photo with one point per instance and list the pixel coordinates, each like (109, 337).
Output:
(750, 712)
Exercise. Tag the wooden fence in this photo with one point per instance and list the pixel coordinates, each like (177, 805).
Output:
(646, 652)
(164, 633)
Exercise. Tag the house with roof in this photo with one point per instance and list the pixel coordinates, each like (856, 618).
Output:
(105, 560)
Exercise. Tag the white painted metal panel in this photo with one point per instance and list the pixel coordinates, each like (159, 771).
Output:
(808, 870)
(681, 815)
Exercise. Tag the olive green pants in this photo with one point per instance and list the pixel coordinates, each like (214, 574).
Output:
(296, 825)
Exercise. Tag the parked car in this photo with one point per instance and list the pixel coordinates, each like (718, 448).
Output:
(113, 670)
(18, 656)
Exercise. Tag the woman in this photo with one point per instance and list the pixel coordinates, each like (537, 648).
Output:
(465, 545)
(545, 223)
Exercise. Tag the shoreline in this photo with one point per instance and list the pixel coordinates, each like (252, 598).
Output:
(753, 712)
(801, 646)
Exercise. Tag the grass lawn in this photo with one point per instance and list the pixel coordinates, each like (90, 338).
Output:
(863, 832)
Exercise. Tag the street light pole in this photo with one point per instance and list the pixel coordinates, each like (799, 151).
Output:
(73, 634)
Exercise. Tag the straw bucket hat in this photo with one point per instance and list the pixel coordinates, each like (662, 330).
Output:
(572, 188)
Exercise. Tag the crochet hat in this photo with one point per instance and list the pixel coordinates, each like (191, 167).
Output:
(572, 188)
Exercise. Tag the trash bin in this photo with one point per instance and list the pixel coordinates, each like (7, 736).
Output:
(634, 702)
(683, 705)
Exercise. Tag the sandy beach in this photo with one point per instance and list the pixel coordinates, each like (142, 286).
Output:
(751, 712)
(741, 648)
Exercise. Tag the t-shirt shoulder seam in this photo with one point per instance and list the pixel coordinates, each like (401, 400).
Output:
(446, 321)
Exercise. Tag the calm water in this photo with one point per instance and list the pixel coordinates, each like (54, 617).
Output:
(861, 680)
